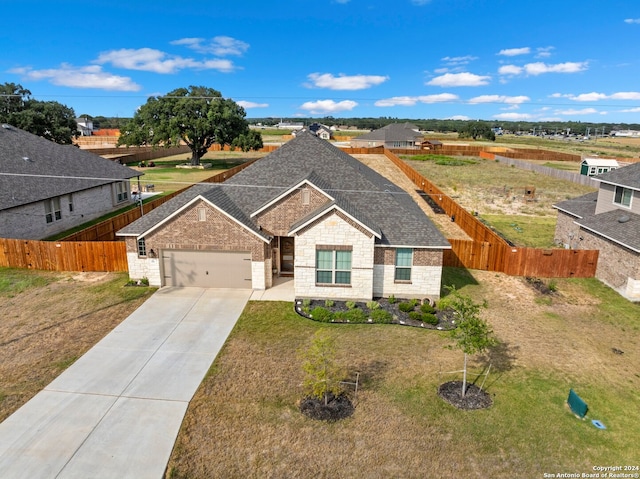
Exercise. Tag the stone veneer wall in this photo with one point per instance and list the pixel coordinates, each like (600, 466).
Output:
(334, 230)
(618, 267)
(217, 233)
(567, 231)
(426, 274)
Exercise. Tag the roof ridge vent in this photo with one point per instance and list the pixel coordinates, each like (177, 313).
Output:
(624, 218)
(6, 126)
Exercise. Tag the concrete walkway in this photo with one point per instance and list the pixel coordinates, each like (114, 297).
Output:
(116, 412)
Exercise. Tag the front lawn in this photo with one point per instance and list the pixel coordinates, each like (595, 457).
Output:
(244, 420)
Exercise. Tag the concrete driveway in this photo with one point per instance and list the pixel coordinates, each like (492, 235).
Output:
(116, 412)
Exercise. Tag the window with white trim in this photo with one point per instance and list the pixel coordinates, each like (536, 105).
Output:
(202, 214)
(404, 262)
(623, 196)
(70, 203)
(121, 192)
(333, 266)
(52, 210)
(142, 247)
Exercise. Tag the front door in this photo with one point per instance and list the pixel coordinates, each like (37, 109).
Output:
(286, 255)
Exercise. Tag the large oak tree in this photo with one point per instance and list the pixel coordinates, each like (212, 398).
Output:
(196, 116)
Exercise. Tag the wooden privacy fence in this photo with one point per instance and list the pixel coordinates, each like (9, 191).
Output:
(488, 251)
(64, 255)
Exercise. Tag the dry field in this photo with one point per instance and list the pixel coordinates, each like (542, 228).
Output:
(46, 326)
(244, 422)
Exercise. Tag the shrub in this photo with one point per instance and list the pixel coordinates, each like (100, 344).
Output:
(415, 302)
(373, 305)
(406, 307)
(340, 316)
(392, 299)
(415, 315)
(306, 302)
(427, 308)
(356, 315)
(553, 286)
(329, 303)
(350, 304)
(381, 316)
(321, 314)
(430, 318)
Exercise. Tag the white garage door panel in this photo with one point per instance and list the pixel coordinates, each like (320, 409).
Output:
(207, 269)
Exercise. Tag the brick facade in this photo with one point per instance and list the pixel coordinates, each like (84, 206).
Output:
(567, 232)
(421, 256)
(278, 218)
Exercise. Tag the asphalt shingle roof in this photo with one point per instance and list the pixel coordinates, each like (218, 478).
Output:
(33, 169)
(627, 176)
(360, 191)
(581, 206)
(617, 225)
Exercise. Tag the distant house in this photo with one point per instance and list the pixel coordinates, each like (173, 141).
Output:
(597, 166)
(85, 126)
(47, 188)
(395, 135)
(307, 210)
(287, 125)
(321, 131)
(609, 221)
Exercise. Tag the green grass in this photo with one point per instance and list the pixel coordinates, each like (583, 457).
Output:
(15, 281)
(527, 231)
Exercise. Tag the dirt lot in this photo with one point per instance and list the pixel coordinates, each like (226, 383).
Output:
(43, 330)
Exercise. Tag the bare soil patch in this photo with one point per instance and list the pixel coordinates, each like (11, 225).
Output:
(44, 330)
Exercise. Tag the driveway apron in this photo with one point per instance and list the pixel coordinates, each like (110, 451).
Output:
(116, 412)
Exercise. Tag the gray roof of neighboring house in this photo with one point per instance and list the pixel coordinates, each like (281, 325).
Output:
(581, 207)
(617, 225)
(627, 176)
(33, 169)
(361, 192)
(393, 132)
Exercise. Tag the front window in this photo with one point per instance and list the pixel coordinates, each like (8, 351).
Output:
(623, 196)
(121, 191)
(333, 267)
(142, 247)
(52, 210)
(404, 261)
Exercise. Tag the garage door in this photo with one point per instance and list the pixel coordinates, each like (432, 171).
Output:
(207, 269)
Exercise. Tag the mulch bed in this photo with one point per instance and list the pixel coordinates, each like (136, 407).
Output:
(475, 398)
(337, 407)
(539, 286)
(446, 318)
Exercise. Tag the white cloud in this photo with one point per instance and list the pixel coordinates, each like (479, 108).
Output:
(413, 100)
(584, 111)
(221, 46)
(539, 68)
(80, 77)
(595, 96)
(632, 20)
(459, 79)
(328, 106)
(512, 52)
(459, 60)
(149, 59)
(459, 117)
(631, 110)
(544, 52)
(510, 70)
(345, 82)
(251, 104)
(510, 100)
(513, 116)
(626, 95)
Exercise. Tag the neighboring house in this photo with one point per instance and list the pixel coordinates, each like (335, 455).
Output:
(85, 126)
(307, 210)
(597, 166)
(609, 221)
(321, 131)
(47, 188)
(287, 125)
(395, 135)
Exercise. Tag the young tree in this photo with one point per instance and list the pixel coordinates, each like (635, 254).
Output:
(472, 335)
(322, 373)
(197, 116)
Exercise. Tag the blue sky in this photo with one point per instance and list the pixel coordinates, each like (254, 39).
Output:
(470, 59)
